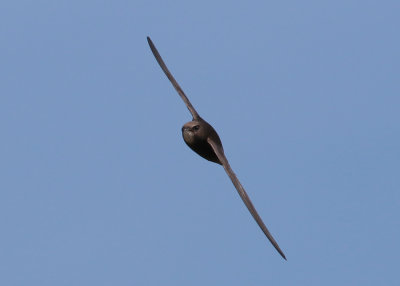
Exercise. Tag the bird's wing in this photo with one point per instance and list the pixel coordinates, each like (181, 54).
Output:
(221, 156)
(172, 79)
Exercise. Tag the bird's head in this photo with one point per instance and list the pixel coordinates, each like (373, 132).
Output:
(194, 131)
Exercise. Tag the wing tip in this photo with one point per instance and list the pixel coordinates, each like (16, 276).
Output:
(281, 253)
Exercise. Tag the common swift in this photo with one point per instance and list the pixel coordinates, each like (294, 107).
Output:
(201, 137)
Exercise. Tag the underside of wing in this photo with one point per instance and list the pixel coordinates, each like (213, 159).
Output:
(172, 79)
(221, 156)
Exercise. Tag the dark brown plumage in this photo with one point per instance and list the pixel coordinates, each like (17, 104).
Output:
(204, 140)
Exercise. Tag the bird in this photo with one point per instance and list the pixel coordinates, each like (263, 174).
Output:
(202, 138)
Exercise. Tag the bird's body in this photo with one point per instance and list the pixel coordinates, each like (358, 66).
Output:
(204, 140)
(195, 134)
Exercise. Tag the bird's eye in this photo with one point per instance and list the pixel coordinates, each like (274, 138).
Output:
(196, 127)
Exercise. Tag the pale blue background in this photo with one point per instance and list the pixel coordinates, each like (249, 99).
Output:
(97, 186)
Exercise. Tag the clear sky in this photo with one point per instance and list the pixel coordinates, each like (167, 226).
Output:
(97, 186)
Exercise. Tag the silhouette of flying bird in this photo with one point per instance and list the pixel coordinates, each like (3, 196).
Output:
(204, 140)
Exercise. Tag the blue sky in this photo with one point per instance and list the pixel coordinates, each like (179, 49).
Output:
(97, 186)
